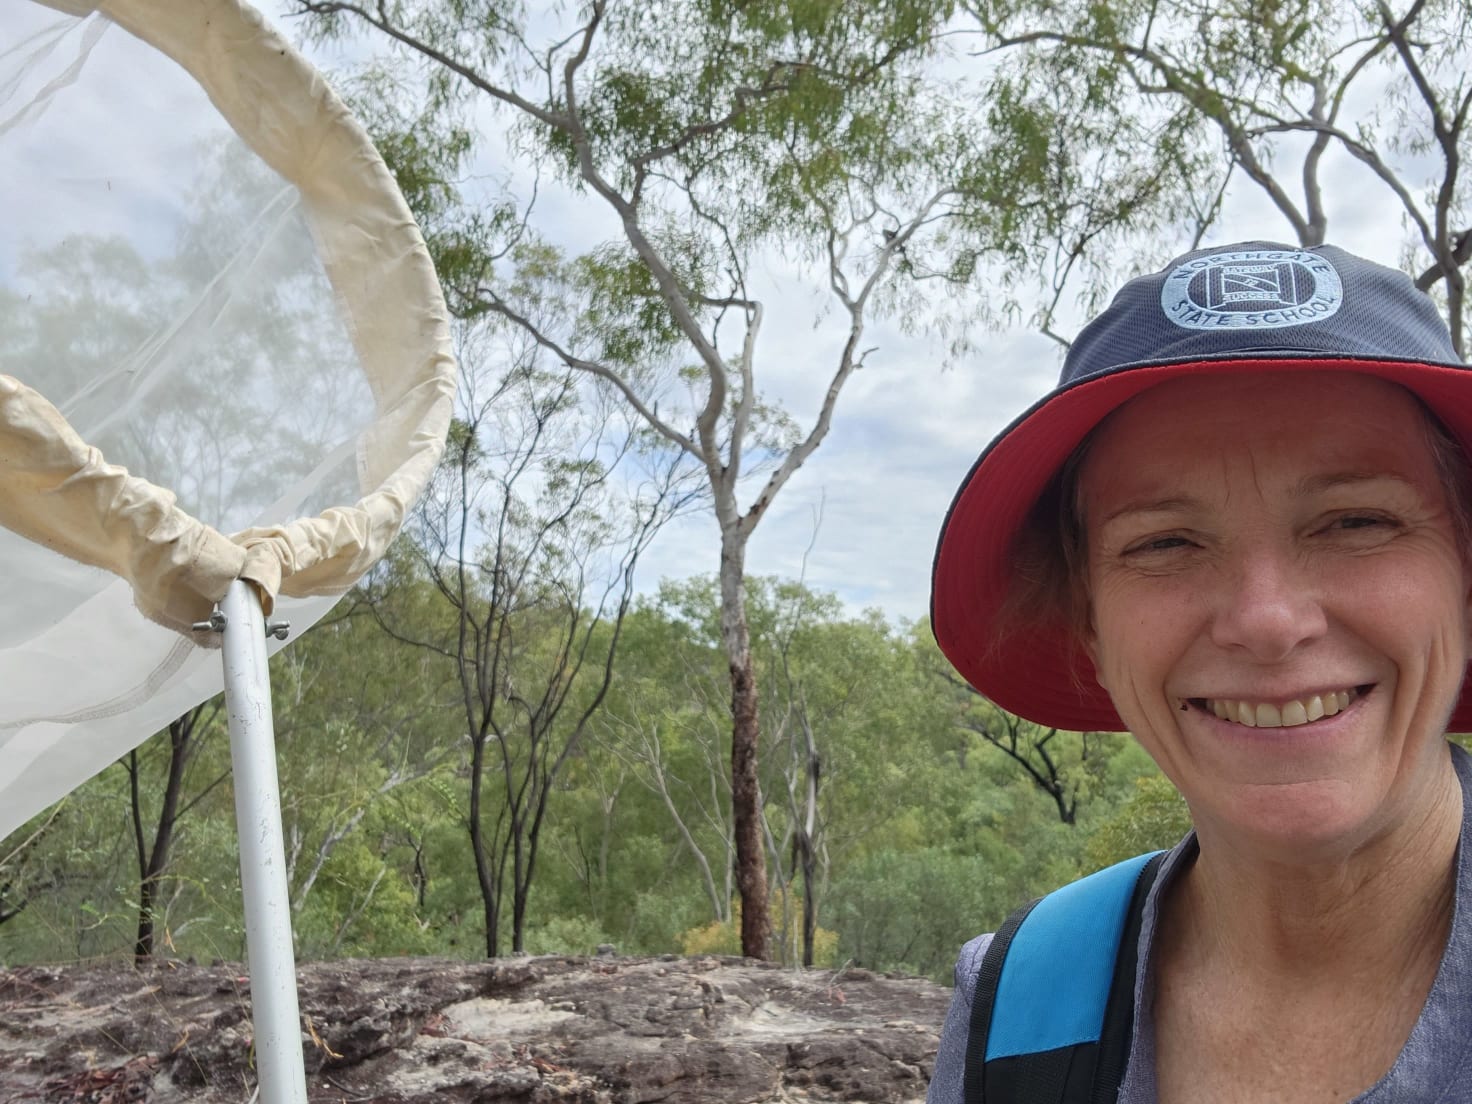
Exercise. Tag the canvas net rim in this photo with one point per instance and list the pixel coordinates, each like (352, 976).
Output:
(64, 494)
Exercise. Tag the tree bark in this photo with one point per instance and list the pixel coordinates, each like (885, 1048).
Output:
(153, 863)
(746, 807)
(746, 791)
(489, 888)
(806, 848)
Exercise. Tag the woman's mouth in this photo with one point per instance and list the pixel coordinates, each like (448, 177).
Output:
(1282, 714)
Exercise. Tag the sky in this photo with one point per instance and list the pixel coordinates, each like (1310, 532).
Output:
(861, 517)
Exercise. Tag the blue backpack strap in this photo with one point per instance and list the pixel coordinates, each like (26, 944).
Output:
(1053, 1013)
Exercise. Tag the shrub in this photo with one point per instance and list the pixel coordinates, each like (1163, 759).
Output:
(1155, 817)
(571, 935)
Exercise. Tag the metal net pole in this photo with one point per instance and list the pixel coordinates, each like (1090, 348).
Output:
(274, 1009)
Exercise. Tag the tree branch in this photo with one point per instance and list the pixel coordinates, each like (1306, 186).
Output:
(382, 23)
(494, 302)
(850, 359)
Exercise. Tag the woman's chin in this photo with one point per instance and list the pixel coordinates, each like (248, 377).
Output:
(1292, 822)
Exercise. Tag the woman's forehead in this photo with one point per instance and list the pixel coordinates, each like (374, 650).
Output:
(1292, 425)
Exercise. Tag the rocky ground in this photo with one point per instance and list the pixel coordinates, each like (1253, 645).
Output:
(608, 1030)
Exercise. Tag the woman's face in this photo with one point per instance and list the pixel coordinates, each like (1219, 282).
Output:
(1279, 608)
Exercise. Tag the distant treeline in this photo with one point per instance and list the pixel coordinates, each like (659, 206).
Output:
(903, 813)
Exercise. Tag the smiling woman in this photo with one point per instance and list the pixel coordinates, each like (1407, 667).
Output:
(1251, 562)
(1241, 520)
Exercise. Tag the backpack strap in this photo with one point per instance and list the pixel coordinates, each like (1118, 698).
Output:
(984, 999)
(1119, 1015)
(1053, 1013)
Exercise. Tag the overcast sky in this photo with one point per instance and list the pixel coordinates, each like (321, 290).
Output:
(871, 500)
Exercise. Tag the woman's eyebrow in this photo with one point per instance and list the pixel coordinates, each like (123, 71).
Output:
(1307, 486)
(1151, 506)
(1328, 481)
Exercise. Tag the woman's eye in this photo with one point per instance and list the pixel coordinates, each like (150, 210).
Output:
(1159, 544)
(1360, 521)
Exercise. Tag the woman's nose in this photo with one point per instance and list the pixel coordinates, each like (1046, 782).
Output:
(1267, 606)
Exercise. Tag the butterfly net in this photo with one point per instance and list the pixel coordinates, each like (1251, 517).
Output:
(223, 354)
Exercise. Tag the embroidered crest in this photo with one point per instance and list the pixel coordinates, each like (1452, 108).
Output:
(1252, 289)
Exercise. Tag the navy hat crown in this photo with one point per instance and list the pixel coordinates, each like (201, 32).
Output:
(1262, 299)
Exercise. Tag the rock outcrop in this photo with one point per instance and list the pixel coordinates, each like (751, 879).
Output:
(429, 1031)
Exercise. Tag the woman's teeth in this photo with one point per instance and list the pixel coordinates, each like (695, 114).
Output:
(1287, 715)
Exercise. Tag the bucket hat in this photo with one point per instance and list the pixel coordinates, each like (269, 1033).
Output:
(1241, 310)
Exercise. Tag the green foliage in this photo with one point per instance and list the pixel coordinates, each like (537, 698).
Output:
(624, 318)
(1279, 97)
(719, 937)
(357, 909)
(568, 935)
(926, 838)
(723, 937)
(911, 910)
(715, 135)
(1154, 817)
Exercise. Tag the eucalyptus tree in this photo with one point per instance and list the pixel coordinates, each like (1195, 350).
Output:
(1272, 91)
(528, 538)
(715, 140)
(856, 736)
(185, 735)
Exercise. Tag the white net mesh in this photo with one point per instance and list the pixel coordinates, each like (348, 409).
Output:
(265, 342)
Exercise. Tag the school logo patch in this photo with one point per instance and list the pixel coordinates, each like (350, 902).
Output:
(1252, 289)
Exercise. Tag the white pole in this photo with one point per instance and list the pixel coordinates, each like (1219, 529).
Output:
(277, 1019)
